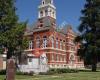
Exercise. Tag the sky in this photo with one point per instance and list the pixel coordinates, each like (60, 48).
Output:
(68, 11)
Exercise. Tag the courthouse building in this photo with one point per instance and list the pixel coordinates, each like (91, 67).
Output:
(50, 46)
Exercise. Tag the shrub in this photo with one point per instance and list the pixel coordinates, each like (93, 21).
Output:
(43, 73)
(19, 73)
(31, 73)
(25, 73)
(63, 70)
(2, 72)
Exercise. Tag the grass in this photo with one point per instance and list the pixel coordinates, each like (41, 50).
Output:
(67, 76)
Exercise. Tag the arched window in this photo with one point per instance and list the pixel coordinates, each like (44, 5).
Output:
(41, 13)
(52, 42)
(72, 59)
(30, 44)
(53, 57)
(51, 1)
(57, 43)
(46, 12)
(43, 2)
(44, 42)
(53, 13)
(37, 42)
(57, 57)
(50, 12)
(60, 44)
(64, 45)
(64, 58)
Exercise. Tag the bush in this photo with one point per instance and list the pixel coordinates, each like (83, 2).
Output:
(2, 72)
(59, 71)
(64, 70)
(43, 73)
(31, 73)
(25, 73)
(19, 73)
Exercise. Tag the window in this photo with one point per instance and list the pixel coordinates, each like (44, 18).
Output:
(53, 13)
(4, 58)
(57, 57)
(73, 48)
(23, 59)
(64, 45)
(64, 58)
(71, 41)
(61, 59)
(52, 42)
(44, 42)
(61, 44)
(52, 57)
(30, 44)
(43, 2)
(50, 12)
(41, 13)
(72, 57)
(30, 59)
(57, 43)
(51, 1)
(46, 12)
(37, 42)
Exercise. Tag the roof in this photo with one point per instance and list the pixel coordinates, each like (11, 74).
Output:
(47, 23)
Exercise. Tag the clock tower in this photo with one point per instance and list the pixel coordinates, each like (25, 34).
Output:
(47, 9)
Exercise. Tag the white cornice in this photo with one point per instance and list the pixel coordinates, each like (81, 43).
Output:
(42, 6)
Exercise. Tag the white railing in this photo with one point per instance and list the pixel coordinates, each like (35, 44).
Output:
(30, 68)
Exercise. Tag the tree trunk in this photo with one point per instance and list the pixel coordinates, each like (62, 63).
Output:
(94, 67)
(10, 67)
(94, 63)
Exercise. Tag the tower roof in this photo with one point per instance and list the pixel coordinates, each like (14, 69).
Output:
(48, 1)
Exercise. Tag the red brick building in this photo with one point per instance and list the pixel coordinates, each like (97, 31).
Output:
(57, 44)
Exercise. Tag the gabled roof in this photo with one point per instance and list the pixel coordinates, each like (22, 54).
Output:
(47, 23)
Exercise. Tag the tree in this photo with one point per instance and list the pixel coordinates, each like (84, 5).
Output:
(90, 33)
(11, 31)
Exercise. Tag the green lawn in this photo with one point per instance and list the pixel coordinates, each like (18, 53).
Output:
(67, 76)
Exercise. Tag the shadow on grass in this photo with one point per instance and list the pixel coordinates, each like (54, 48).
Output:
(88, 70)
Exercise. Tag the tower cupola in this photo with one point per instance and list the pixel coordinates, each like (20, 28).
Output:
(47, 8)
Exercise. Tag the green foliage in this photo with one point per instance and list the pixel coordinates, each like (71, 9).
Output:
(90, 33)
(25, 73)
(11, 31)
(2, 72)
(59, 71)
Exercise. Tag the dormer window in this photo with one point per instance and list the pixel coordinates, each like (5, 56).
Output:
(53, 13)
(43, 3)
(50, 12)
(50, 2)
(46, 12)
(41, 13)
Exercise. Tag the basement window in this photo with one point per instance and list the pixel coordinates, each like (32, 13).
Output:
(30, 59)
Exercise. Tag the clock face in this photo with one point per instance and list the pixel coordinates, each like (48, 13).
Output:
(43, 59)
